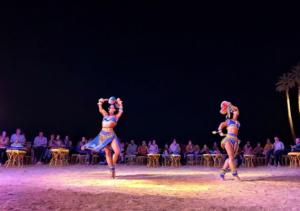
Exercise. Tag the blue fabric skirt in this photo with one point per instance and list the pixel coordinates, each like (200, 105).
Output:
(100, 141)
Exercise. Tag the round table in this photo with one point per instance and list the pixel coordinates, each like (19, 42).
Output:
(59, 156)
(294, 159)
(217, 159)
(207, 158)
(175, 160)
(153, 160)
(15, 157)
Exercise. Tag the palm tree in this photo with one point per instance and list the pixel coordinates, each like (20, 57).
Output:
(296, 76)
(284, 84)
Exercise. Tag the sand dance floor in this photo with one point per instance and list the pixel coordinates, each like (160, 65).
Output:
(80, 187)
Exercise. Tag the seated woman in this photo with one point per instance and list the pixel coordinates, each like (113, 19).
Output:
(143, 149)
(205, 150)
(197, 150)
(174, 148)
(189, 149)
(258, 150)
(58, 143)
(248, 150)
(4, 142)
(165, 152)
(153, 148)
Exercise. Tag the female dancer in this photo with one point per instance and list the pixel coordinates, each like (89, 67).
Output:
(107, 138)
(231, 142)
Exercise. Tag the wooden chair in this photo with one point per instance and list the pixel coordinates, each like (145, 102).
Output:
(130, 159)
(141, 160)
(190, 159)
(198, 160)
(166, 161)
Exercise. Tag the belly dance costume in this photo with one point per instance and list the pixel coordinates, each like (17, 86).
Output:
(231, 137)
(104, 138)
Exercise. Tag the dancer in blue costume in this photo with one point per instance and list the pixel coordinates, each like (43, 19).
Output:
(107, 138)
(231, 142)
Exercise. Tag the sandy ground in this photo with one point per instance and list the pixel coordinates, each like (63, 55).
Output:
(82, 187)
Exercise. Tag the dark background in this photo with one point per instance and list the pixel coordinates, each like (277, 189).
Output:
(171, 64)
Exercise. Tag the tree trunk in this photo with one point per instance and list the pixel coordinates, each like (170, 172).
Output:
(290, 114)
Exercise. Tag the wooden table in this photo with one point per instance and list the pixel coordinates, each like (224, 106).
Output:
(153, 160)
(15, 157)
(59, 157)
(207, 159)
(294, 159)
(249, 160)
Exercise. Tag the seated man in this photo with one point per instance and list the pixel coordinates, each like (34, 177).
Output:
(174, 148)
(39, 147)
(17, 139)
(205, 150)
(248, 149)
(189, 149)
(153, 148)
(131, 149)
(258, 150)
(296, 147)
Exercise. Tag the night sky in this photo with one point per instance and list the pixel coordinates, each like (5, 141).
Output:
(171, 66)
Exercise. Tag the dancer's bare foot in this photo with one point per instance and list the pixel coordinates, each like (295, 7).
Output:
(113, 172)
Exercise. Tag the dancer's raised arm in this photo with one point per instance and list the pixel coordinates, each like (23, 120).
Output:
(101, 109)
(120, 104)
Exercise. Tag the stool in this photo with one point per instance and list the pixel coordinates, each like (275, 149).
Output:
(74, 158)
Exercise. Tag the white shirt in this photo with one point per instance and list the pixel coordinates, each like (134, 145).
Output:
(278, 146)
(17, 138)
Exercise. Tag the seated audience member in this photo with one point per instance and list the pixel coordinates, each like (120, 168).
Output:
(296, 147)
(143, 149)
(131, 149)
(4, 143)
(268, 151)
(216, 149)
(165, 151)
(278, 151)
(174, 148)
(82, 142)
(39, 147)
(153, 148)
(58, 143)
(189, 149)
(205, 150)
(197, 150)
(18, 139)
(67, 143)
(258, 150)
(248, 150)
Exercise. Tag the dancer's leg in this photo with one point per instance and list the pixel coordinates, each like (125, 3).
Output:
(116, 148)
(230, 151)
(108, 156)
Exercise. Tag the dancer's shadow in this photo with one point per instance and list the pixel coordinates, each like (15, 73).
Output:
(295, 179)
(155, 176)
